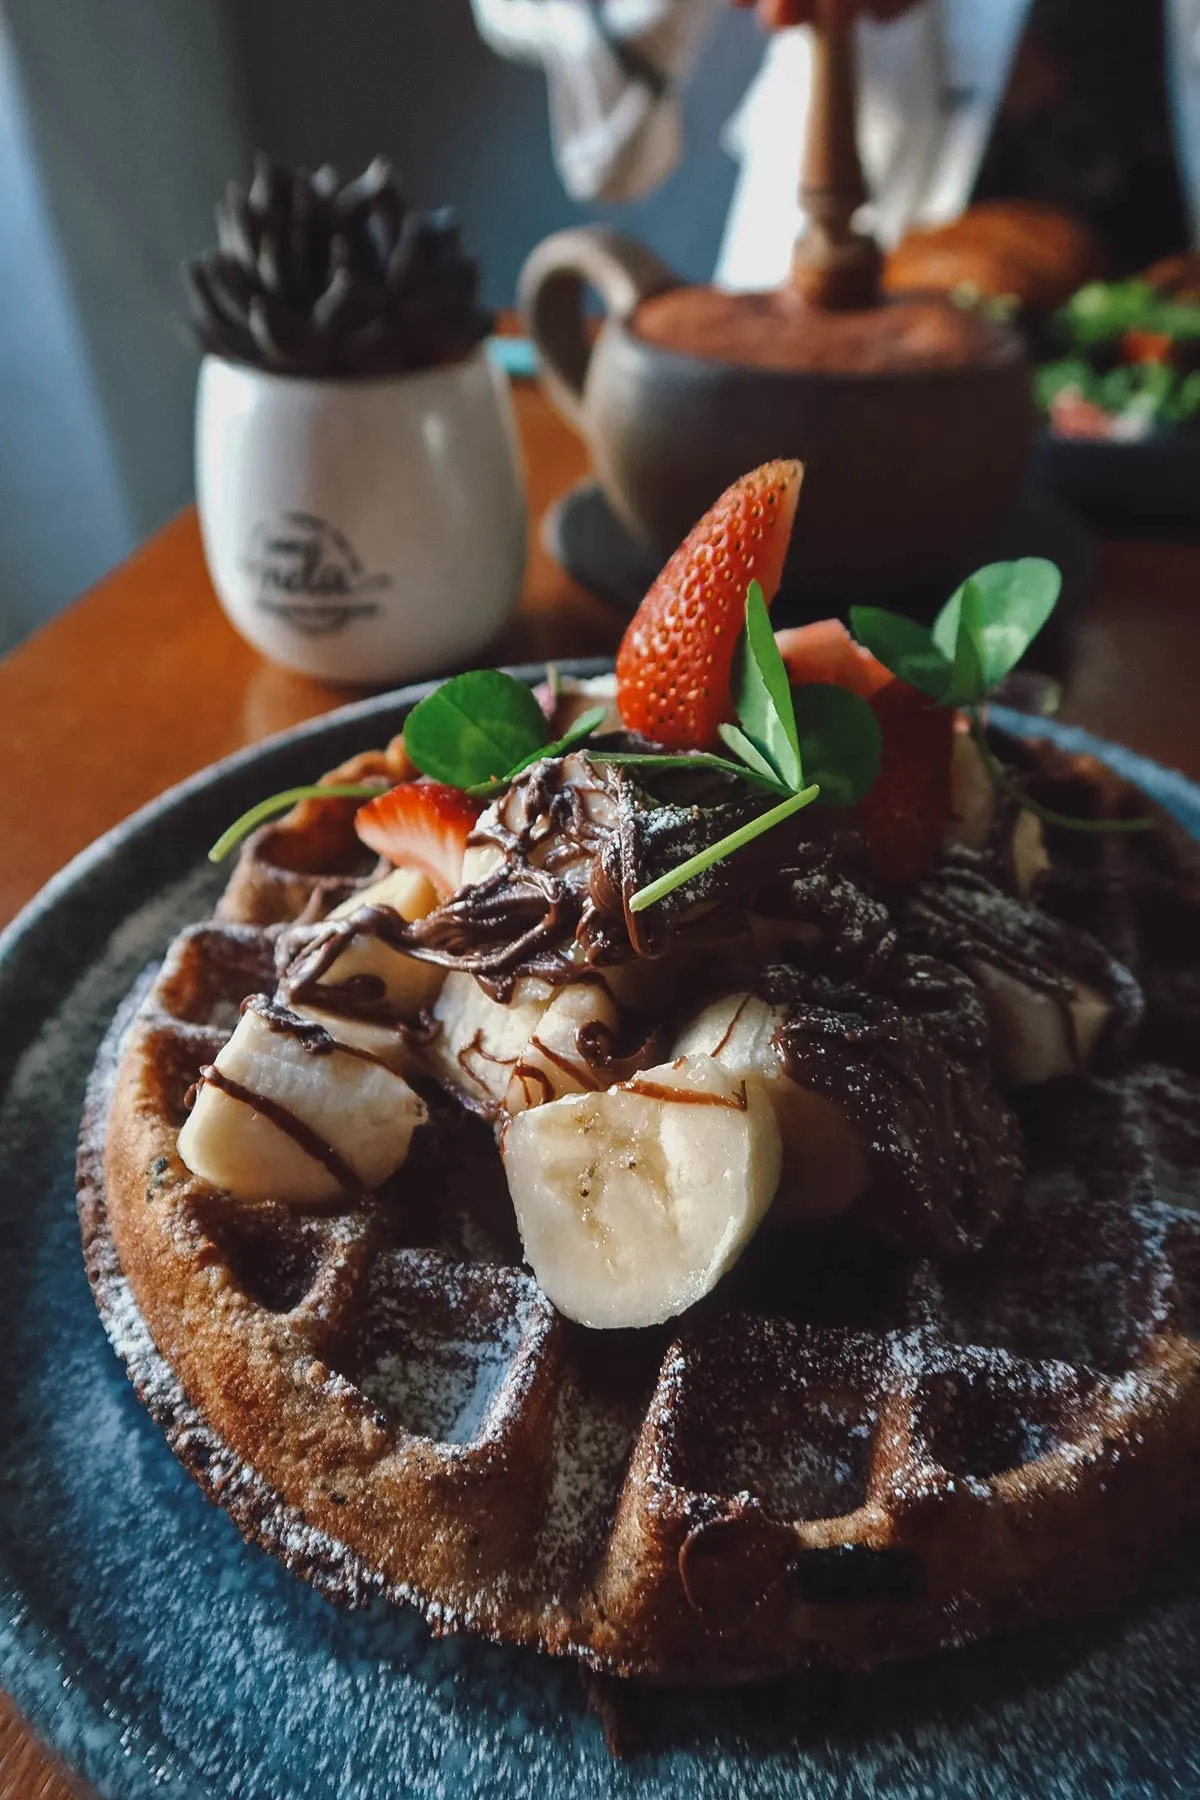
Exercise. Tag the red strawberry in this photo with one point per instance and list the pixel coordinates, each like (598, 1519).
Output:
(674, 664)
(825, 651)
(421, 825)
(908, 812)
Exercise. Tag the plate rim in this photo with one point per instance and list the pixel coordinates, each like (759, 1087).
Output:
(61, 1712)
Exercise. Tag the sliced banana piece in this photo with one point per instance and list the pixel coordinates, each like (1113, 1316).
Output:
(554, 1060)
(1030, 857)
(972, 793)
(973, 802)
(509, 1057)
(825, 1166)
(408, 985)
(386, 1043)
(477, 1042)
(632, 1203)
(406, 891)
(1038, 1035)
(290, 1115)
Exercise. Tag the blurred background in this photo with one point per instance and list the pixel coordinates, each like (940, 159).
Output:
(120, 123)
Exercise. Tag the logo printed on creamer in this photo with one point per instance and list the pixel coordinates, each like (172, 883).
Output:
(310, 575)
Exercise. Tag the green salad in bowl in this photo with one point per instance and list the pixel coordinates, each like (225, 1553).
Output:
(1123, 362)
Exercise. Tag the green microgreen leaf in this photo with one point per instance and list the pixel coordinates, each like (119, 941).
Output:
(761, 693)
(840, 741)
(279, 803)
(749, 755)
(726, 846)
(967, 686)
(690, 759)
(1014, 600)
(476, 728)
(904, 647)
(583, 728)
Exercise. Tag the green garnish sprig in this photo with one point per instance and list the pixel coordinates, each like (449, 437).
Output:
(266, 809)
(817, 743)
(977, 639)
(481, 730)
(477, 732)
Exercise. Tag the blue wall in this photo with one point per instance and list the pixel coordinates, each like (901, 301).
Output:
(410, 77)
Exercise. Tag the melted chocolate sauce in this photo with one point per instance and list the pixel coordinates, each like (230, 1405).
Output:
(907, 1061)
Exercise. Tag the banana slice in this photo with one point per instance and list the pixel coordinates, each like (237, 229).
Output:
(290, 1115)
(406, 891)
(408, 985)
(477, 1041)
(376, 1038)
(825, 1167)
(1036, 1035)
(972, 793)
(509, 1057)
(632, 1203)
(973, 803)
(1030, 857)
(553, 1062)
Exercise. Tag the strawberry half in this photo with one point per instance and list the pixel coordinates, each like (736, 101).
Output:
(421, 825)
(676, 658)
(825, 651)
(908, 813)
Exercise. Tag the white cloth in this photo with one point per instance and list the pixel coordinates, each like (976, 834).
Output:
(1183, 72)
(614, 68)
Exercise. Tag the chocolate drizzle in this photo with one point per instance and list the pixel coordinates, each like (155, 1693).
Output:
(301, 1134)
(907, 1061)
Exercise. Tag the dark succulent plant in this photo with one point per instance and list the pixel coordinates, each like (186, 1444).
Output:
(313, 277)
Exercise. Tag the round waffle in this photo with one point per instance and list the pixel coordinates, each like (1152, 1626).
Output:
(848, 1453)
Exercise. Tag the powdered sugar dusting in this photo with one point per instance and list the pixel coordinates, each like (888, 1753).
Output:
(440, 1390)
(591, 1443)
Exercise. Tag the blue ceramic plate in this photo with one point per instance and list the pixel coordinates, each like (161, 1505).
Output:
(162, 1657)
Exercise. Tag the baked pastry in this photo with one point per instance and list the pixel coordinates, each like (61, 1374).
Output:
(865, 1265)
(1023, 249)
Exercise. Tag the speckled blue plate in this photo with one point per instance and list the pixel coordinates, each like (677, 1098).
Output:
(162, 1657)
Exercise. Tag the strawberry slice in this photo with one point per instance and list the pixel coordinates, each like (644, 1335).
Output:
(421, 825)
(908, 812)
(825, 651)
(675, 660)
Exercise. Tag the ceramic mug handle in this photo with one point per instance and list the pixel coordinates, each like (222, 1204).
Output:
(551, 293)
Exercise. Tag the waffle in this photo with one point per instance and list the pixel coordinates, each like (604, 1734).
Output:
(848, 1453)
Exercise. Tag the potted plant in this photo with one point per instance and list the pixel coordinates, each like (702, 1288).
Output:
(357, 472)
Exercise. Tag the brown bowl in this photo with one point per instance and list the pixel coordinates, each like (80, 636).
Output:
(914, 419)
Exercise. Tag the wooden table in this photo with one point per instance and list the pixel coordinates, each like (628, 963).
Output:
(142, 682)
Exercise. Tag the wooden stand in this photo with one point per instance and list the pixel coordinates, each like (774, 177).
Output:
(834, 266)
